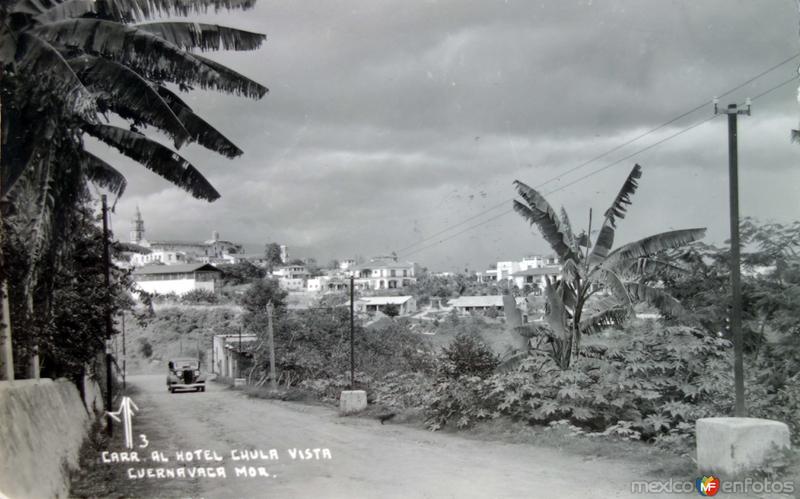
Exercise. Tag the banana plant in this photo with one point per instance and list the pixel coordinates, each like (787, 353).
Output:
(622, 276)
(66, 68)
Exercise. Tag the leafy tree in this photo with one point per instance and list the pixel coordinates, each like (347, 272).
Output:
(391, 309)
(255, 301)
(73, 332)
(272, 253)
(467, 356)
(626, 272)
(65, 65)
(241, 273)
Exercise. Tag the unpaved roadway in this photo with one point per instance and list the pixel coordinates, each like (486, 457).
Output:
(368, 459)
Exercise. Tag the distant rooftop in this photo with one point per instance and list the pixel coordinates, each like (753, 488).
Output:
(537, 271)
(185, 268)
(384, 300)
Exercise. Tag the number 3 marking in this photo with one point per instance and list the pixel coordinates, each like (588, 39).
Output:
(144, 443)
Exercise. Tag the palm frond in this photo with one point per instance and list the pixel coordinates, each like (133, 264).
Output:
(156, 158)
(67, 9)
(650, 267)
(130, 95)
(220, 77)
(618, 207)
(614, 283)
(103, 174)
(566, 227)
(39, 61)
(538, 211)
(204, 36)
(30, 7)
(150, 56)
(652, 245)
(199, 130)
(660, 299)
(571, 271)
(605, 240)
(556, 315)
(127, 11)
(603, 320)
(25, 133)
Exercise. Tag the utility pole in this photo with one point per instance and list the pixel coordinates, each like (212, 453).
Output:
(109, 326)
(6, 349)
(733, 113)
(124, 356)
(352, 327)
(272, 379)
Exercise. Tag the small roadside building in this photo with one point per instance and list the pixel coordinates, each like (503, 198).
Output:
(178, 279)
(406, 305)
(231, 354)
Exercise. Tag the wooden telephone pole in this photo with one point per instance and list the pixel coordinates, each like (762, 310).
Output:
(352, 327)
(272, 380)
(109, 324)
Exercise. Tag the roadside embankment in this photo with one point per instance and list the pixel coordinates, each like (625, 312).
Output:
(42, 426)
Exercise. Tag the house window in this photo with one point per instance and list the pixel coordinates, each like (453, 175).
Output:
(381, 285)
(393, 273)
(405, 273)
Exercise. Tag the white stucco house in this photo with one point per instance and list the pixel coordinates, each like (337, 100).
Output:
(385, 273)
(406, 304)
(178, 279)
(466, 305)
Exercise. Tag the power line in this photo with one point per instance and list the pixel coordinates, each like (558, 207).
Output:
(592, 173)
(610, 151)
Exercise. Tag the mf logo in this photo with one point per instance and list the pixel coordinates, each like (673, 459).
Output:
(707, 485)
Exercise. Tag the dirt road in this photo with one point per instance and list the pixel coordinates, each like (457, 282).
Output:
(367, 459)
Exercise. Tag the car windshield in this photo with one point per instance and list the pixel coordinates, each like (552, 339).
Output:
(185, 363)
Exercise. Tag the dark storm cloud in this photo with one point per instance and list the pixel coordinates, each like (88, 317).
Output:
(388, 121)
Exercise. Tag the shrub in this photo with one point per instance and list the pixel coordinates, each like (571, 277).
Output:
(145, 348)
(467, 355)
(651, 383)
(198, 296)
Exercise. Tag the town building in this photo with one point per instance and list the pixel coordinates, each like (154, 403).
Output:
(514, 271)
(466, 305)
(535, 279)
(231, 354)
(214, 250)
(347, 264)
(406, 305)
(158, 257)
(328, 283)
(385, 273)
(291, 277)
(178, 279)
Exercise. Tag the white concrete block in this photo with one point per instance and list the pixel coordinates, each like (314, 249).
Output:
(352, 401)
(239, 381)
(731, 446)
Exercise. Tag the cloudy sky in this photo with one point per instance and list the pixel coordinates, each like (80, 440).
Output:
(388, 122)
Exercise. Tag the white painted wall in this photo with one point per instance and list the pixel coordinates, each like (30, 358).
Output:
(177, 286)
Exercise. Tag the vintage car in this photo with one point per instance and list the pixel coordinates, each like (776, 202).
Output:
(184, 374)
